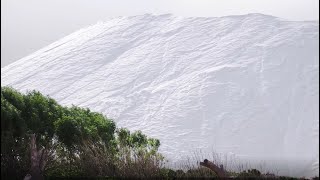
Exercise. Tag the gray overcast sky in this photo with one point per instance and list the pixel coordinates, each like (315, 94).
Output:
(28, 25)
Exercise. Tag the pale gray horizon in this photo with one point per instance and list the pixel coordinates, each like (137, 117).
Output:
(27, 26)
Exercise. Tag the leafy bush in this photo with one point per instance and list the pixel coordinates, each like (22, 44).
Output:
(79, 142)
(250, 173)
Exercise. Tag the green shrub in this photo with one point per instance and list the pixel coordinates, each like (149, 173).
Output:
(80, 142)
(251, 173)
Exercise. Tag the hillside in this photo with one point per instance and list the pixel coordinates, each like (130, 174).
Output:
(242, 85)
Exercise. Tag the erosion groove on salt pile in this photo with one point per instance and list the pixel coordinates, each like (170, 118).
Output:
(246, 85)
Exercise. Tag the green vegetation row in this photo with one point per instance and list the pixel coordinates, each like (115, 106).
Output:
(48, 141)
(77, 141)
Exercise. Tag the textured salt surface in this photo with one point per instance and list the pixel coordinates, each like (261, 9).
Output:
(246, 85)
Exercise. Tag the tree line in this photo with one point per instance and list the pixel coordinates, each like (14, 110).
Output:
(45, 139)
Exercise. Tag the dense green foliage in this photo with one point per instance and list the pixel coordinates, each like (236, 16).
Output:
(81, 142)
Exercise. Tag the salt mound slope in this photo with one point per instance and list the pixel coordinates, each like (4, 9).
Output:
(246, 85)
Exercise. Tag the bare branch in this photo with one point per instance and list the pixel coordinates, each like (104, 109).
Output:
(218, 170)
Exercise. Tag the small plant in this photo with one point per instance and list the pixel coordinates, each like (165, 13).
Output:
(287, 178)
(250, 173)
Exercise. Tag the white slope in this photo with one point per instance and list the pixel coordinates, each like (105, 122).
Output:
(246, 85)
